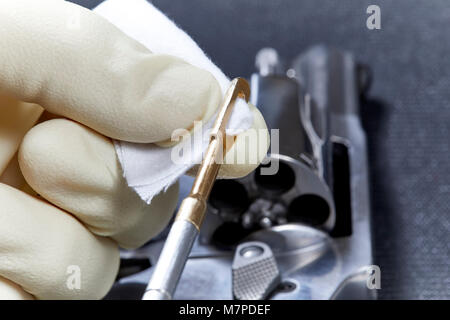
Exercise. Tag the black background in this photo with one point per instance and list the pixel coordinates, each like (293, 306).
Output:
(408, 127)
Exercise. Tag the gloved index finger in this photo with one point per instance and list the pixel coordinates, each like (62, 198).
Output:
(78, 65)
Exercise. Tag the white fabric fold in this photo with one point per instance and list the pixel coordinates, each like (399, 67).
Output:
(149, 168)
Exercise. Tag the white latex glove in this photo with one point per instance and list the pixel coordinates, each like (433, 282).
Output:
(112, 87)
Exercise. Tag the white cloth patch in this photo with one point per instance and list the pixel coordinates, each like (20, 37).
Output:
(149, 168)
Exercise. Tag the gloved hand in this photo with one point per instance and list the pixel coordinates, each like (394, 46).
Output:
(109, 86)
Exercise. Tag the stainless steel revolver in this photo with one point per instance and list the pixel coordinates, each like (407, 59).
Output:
(302, 232)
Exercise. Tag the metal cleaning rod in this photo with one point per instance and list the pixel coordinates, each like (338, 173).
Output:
(190, 215)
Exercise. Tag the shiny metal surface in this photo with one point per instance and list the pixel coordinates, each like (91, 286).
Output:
(267, 61)
(171, 261)
(254, 270)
